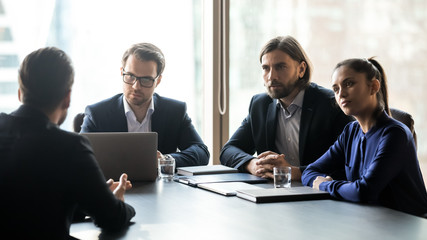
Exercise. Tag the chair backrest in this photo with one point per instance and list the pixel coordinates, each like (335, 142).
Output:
(78, 121)
(406, 119)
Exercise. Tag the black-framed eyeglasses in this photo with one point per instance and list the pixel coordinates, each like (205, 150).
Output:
(145, 81)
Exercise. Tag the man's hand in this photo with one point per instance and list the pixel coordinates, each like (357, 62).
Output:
(119, 188)
(319, 180)
(255, 169)
(272, 159)
(159, 154)
(263, 165)
(260, 167)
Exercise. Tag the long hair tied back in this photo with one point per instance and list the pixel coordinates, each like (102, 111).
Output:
(373, 70)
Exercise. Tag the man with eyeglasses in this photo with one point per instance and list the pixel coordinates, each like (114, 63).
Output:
(139, 109)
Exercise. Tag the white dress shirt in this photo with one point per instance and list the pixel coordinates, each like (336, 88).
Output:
(133, 124)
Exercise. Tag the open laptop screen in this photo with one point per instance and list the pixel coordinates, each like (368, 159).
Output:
(126, 152)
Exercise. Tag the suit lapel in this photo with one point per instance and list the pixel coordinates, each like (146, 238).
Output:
(306, 118)
(271, 125)
(122, 123)
(156, 119)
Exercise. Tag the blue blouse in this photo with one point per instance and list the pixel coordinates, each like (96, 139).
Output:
(381, 167)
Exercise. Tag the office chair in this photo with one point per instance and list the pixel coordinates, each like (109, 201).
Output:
(78, 121)
(406, 119)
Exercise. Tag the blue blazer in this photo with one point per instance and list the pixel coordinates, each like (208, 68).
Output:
(321, 123)
(170, 121)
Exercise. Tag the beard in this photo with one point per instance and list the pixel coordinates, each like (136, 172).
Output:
(137, 101)
(281, 90)
(135, 97)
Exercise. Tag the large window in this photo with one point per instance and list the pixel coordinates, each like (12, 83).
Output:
(95, 34)
(331, 31)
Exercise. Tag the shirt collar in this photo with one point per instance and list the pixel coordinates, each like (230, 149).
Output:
(128, 109)
(298, 100)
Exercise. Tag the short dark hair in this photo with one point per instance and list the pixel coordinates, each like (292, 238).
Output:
(146, 52)
(290, 46)
(45, 77)
(372, 69)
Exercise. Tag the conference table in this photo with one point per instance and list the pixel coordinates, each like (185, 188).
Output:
(172, 210)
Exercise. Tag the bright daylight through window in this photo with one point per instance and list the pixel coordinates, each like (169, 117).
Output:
(96, 33)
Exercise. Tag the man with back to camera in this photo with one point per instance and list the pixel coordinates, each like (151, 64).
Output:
(292, 124)
(139, 109)
(47, 172)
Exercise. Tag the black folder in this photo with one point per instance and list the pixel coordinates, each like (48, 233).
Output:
(204, 170)
(215, 178)
(265, 195)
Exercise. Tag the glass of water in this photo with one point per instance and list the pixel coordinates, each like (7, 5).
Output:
(282, 177)
(166, 167)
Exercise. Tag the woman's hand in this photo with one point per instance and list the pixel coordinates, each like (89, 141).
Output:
(319, 180)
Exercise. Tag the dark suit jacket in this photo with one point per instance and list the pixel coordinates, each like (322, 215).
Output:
(169, 120)
(321, 123)
(45, 174)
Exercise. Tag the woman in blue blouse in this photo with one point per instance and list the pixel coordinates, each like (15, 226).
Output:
(376, 152)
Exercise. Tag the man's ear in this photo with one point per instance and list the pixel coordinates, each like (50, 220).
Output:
(20, 95)
(301, 69)
(67, 100)
(159, 79)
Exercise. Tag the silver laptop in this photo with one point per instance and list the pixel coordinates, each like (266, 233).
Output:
(123, 152)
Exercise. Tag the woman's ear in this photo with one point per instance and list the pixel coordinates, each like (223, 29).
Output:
(375, 86)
